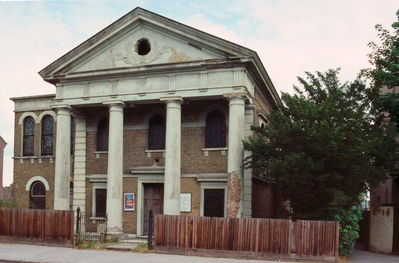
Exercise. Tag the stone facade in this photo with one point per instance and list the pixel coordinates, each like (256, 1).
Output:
(182, 75)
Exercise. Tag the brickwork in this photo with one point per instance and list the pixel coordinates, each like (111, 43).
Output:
(190, 185)
(262, 200)
(26, 170)
(28, 167)
(136, 140)
(194, 160)
(233, 194)
(130, 217)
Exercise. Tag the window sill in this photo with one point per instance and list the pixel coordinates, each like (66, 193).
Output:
(33, 158)
(94, 218)
(221, 149)
(98, 153)
(149, 152)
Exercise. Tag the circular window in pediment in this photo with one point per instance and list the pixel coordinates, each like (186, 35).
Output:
(143, 47)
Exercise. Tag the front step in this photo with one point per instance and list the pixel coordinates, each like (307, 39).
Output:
(123, 246)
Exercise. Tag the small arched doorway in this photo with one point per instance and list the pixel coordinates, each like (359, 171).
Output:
(37, 196)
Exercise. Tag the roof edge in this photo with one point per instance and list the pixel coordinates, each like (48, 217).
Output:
(33, 97)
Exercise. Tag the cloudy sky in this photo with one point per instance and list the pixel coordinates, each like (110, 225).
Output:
(290, 37)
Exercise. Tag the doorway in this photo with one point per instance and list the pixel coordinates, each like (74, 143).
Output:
(153, 199)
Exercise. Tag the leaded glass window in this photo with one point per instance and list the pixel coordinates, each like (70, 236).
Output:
(156, 133)
(47, 135)
(215, 130)
(102, 135)
(28, 136)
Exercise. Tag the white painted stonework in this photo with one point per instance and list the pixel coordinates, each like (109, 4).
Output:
(62, 158)
(115, 167)
(172, 156)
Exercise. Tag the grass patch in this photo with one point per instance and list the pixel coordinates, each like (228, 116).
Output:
(141, 248)
(99, 244)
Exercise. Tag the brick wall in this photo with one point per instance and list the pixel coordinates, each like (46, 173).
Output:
(135, 143)
(26, 168)
(130, 217)
(190, 185)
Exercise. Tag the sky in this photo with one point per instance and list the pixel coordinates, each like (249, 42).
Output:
(290, 37)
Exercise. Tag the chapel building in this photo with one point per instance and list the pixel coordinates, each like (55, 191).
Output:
(147, 114)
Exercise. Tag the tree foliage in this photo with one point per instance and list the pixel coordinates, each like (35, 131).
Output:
(323, 147)
(384, 73)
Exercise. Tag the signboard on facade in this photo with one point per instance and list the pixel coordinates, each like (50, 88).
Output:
(185, 202)
(129, 201)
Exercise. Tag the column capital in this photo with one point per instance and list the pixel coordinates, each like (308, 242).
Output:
(114, 102)
(62, 109)
(115, 105)
(176, 99)
(237, 96)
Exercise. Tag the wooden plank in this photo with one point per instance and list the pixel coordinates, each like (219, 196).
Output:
(336, 254)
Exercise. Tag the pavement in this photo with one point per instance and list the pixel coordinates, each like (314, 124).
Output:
(10, 252)
(362, 256)
(33, 253)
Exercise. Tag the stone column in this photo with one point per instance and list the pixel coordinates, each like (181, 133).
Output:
(79, 174)
(115, 167)
(62, 158)
(236, 135)
(172, 156)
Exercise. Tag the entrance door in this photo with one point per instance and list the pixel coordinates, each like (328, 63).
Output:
(153, 199)
(214, 202)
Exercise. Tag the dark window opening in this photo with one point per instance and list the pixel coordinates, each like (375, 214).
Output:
(215, 130)
(101, 202)
(72, 136)
(143, 47)
(214, 202)
(47, 135)
(28, 136)
(156, 133)
(37, 196)
(102, 135)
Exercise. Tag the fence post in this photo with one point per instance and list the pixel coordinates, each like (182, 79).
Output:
(77, 220)
(150, 229)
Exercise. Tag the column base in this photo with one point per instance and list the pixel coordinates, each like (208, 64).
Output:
(171, 207)
(114, 231)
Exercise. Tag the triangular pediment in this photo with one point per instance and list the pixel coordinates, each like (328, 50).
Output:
(118, 46)
(124, 50)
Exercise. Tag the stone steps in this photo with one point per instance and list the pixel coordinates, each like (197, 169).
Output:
(127, 243)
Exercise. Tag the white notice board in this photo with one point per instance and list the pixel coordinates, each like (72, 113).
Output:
(185, 202)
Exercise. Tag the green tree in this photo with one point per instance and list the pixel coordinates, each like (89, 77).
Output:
(384, 73)
(323, 147)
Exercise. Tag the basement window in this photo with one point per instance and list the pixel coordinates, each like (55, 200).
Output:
(143, 47)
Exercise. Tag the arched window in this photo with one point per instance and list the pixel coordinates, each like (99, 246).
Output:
(156, 133)
(215, 130)
(102, 135)
(28, 136)
(37, 196)
(47, 135)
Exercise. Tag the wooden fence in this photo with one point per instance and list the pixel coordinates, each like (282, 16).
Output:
(260, 236)
(47, 226)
